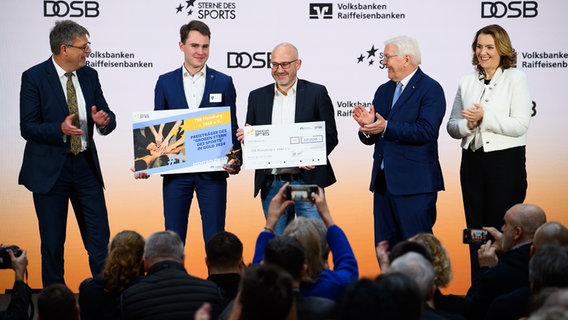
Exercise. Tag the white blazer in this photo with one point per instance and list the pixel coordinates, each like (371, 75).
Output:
(507, 106)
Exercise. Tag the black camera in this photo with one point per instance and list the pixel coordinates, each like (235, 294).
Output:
(5, 261)
(476, 236)
(301, 192)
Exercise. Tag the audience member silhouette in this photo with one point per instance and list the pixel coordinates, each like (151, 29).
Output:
(168, 291)
(514, 305)
(57, 302)
(417, 267)
(265, 292)
(99, 296)
(360, 300)
(21, 293)
(318, 281)
(399, 297)
(504, 263)
(224, 260)
(288, 253)
(443, 273)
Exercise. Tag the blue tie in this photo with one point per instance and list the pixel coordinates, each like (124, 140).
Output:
(396, 93)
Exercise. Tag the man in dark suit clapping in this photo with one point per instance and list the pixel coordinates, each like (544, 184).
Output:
(61, 103)
(403, 125)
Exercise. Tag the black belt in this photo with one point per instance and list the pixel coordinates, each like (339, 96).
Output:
(287, 177)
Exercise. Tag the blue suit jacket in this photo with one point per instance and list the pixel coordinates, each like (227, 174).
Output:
(312, 104)
(169, 94)
(409, 145)
(43, 108)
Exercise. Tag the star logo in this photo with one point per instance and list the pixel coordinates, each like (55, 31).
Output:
(371, 57)
(371, 52)
(188, 8)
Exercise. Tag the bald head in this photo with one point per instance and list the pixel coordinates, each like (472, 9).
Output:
(288, 48)
(521, 222)
(550, 233)
(527, 216)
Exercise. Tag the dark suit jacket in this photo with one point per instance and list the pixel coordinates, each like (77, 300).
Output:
(312, 104)
(43, 108)
(511, 273)
(511, 306)
(409, 145)
(169, 94)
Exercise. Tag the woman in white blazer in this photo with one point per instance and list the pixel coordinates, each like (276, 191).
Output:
(490, 115)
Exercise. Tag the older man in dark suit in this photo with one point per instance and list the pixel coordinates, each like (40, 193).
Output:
(61, 102)
(291, 100)
(403, 124)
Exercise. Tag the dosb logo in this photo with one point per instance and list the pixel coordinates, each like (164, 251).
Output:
(321, 10)
(246, 60)
(87, 9)
(513, 9)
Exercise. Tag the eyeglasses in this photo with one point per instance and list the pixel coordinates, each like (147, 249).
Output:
(85, 48)
(387, 57)
(284, 65)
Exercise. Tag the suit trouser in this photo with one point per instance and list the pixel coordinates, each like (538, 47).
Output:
(399, 217)
(211, 190)
(491, 182)
(79, 183)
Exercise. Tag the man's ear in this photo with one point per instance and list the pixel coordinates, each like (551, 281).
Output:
(519, 232)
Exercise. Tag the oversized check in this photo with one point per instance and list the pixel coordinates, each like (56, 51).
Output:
(284, 145)
(181, 140)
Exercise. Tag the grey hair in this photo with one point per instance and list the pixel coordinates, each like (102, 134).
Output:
(406, 45)
(63, 33)
(163, 244)
(416, 267)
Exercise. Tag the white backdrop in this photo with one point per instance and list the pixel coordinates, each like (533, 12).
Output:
(133, 42)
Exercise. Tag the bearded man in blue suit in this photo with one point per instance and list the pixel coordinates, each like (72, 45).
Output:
(60, 158)
(406, 175)
(193, 86)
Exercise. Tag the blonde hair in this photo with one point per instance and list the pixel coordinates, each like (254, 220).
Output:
(304, 230)
(440, 258)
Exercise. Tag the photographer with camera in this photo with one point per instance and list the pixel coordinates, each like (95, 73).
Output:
(319, 280)
(21, 292)
(504, 263)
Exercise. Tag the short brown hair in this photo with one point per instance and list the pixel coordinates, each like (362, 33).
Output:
(194, 25)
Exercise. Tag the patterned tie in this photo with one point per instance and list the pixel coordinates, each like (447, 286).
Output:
(397, 91)
(73, 109)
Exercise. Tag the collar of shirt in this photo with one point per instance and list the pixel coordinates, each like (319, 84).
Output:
(291, 91)
(284, 106)
(193, 87)
(406, 80)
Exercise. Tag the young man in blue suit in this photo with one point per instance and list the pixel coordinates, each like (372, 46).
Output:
(192, 86)
(406, 175)
(61, 103)
(291, 100)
